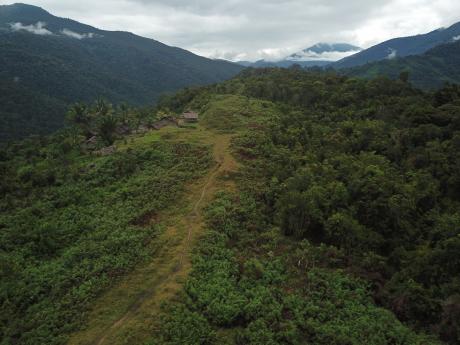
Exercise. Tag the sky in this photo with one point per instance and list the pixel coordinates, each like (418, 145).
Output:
(259, 29)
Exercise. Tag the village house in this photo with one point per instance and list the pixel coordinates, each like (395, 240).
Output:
(190, 116)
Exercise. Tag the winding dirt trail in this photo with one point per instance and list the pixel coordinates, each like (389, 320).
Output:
(127, 312)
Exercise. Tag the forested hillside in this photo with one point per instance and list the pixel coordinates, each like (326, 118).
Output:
(428, 71)
(25, 111)
(360, 179)
(60, 61)
(401, 47)
(341, 225)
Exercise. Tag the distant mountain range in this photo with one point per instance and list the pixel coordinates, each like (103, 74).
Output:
(283, 63)
(322, 51)
(320, 54)
(430, 70)
(401, 47)
(343, 55)
(57, 61)
(47, 62)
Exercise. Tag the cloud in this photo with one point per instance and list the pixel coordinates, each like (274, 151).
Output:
(325, 56)
(259, 29)
(392, 54)
(37, 29)
(76, 35)
(456, 38)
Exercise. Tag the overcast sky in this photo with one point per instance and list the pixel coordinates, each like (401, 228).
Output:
(254, 29)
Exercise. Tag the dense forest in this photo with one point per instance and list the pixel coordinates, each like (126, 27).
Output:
(361, 178)
(343, 228)
(40, 114)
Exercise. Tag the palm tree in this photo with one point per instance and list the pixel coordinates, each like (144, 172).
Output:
(102, 107)
(107, 124)
(78, 115)
(123, 113)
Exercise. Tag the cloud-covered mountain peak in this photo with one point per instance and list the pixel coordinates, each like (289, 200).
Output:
(325, 51)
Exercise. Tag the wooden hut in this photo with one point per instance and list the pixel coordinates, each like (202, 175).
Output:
(190, 116)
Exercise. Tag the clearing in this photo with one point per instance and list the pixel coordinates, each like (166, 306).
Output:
(126, 313)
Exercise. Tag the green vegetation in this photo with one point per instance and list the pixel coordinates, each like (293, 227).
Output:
(428, 71)
(401, 47)
(343, 228)
(250, 285)
(45, 73)
(72, 223)
(18, 119)
(232, 112)
(361, 176)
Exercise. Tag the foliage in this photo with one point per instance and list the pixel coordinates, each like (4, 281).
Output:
(344, 228)
(71, 223)
(368, 167)
(263, 299)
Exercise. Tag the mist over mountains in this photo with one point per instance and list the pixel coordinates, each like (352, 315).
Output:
(320, 54)
(325, 51)
(428, 71)
(59, 61)
(402, 46)
(430, 59)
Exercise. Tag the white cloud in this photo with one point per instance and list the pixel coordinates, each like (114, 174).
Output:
(76, 35)
(392, 54)
(456, 38)
(326, 56)
(259, 29)
(37, 29)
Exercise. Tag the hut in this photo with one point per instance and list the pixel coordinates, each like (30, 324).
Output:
(190, 116)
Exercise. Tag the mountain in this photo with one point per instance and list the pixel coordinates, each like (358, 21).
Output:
(282, 63)
(428, 71)
(320, 54)
(401, 47)
(324, 51)
(61, 61)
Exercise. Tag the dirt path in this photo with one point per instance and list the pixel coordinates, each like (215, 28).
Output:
(127, 312)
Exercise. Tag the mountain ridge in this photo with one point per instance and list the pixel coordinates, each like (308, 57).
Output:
(430, 70)
(84, 63)
(401, 47)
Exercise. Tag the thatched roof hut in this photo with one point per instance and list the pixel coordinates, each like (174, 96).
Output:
(190, 116)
